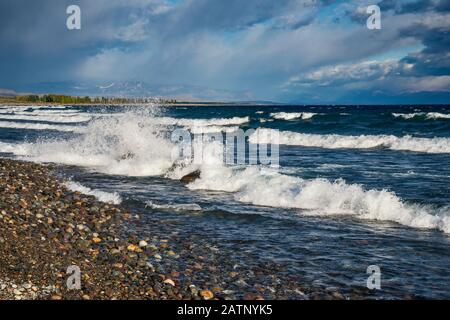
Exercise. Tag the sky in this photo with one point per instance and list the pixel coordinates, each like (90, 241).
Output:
(292, 51)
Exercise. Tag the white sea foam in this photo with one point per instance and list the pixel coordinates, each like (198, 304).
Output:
(38, 126)
(132, 145)
(21, 107)
(426, 115)
(213, 129)
(406, 115)
(128, 145)
(60, 118)
(201, 122)
(437, 115)
(202, 125)
(334, 141)
(320, 197)
(175, 207)
(42, 112)
(332, 166)
(102, 196)
(8, 147)
(9, 115)
(292, 115)
(63, 115)
(34, 109)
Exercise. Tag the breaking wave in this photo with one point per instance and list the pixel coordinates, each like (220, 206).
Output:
(59, 118)
(8, 147)
(335, 141)
(134, 144)
(102, 196)
(129, 145)
(320, 197)
(38, 126)
(213, 129)
(422, 116)
(292, 115)
(201, 122)
(176, 207)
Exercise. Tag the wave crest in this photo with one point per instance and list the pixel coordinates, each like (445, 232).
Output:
(335, 141)
(422, 115)
(127, 145)
(102, 196)
(292, 115)
(320, 197)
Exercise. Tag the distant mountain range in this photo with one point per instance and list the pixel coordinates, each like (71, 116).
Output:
(138, 89)
(7, 93)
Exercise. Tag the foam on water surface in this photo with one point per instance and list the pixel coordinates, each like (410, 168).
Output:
(293, 115)
(424, 115)
(335, 141)
(133, 144)
(320, 197)
(102, 196)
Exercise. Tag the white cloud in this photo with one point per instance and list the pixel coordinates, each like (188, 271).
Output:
(424, 84)
(112, 64)
(252, 45)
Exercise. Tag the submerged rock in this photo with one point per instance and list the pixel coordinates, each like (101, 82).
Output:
(191, 177)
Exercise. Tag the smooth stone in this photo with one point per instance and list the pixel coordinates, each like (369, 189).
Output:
(143, 244)
(206, 294)
(191, 177)
(169, 281)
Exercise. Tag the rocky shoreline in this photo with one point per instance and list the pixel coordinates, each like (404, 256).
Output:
(46, 229)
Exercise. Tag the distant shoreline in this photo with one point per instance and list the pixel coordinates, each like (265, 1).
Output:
(12, 102)
(180, 104)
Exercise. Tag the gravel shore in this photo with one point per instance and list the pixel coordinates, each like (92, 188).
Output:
(46, 229)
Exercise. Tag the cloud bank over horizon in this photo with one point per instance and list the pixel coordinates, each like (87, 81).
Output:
(302, 51)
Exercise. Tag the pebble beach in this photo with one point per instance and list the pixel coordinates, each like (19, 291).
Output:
(46, 228)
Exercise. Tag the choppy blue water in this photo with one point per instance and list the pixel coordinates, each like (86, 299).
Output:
(357, 185)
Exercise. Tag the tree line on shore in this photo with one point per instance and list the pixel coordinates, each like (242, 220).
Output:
(65, 99)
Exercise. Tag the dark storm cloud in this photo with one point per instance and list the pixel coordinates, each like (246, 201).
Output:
(434, 59)
(416, 6)
(419, 75)
(41, 24)
(258, 46)
(234, 14)
(34, 36)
